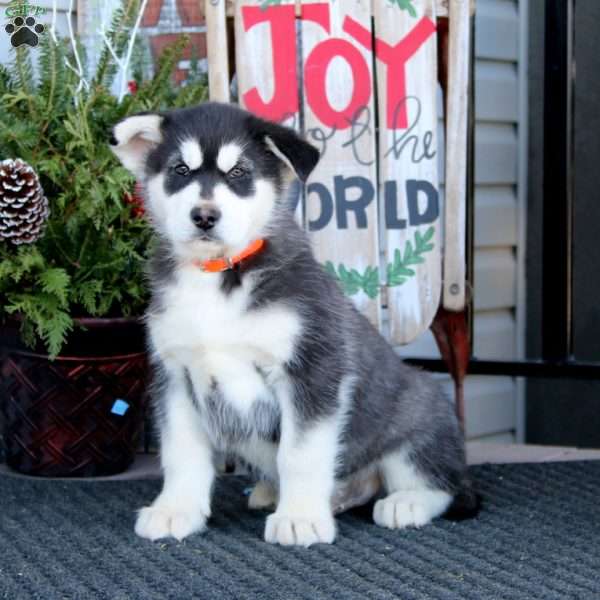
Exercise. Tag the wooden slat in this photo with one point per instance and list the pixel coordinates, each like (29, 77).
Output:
(216, 50)
(254, 69)
(456, 160)
(412, 304)
(441, 7)
(254, 59)
(349, 238)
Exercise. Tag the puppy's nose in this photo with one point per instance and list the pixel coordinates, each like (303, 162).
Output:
(205, 217)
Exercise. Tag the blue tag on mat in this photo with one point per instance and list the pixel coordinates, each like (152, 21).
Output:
(120, 407)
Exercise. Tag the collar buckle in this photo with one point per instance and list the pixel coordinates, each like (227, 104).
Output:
(226, 263)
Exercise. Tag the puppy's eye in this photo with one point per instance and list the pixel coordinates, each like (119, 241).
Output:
(181, 169)
(236, 172)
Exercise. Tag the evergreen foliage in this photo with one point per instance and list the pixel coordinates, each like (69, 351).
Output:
(90, 260)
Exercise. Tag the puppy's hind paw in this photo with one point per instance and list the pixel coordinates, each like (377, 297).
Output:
(263, 496)
(410, 508)
(156, 522)
(299, 531)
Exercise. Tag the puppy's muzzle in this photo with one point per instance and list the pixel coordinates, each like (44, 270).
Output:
(205, 217)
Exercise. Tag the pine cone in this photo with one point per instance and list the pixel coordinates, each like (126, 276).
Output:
(23, 206)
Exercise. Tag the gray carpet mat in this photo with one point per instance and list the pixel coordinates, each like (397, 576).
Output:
(538, 536)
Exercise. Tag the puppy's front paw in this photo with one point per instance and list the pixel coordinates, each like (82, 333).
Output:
(299, 531)
(162, 521)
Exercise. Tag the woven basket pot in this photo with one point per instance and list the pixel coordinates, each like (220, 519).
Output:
(81, 414)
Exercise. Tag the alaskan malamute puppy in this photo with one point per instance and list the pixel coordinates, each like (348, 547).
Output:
(257, 352)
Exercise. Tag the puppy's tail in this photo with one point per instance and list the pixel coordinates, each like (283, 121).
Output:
(466, 503)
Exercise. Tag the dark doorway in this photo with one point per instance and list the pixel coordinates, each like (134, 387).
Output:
(566, 411)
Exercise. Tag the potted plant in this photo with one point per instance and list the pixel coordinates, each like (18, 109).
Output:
(72, 246)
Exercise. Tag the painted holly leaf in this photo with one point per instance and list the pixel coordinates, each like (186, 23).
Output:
(393, 277)
(349, 288)
(356, 277)
(268, 3)
(330, 269)
(399, 267)
(351, 280)
(406, 5)
(422, 242)
(398, 270)
(371, 282)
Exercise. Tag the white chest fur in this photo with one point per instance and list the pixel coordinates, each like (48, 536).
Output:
(219, 339)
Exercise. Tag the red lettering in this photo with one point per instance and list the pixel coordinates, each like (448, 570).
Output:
(316, 67)
(283, 41)
(316, 84)
(395, 57)
(318, 13)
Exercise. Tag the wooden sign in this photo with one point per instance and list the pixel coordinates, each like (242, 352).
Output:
(372, 204)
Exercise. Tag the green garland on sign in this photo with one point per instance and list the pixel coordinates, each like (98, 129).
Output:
(402, 4)
(351, 281)
(398, 271)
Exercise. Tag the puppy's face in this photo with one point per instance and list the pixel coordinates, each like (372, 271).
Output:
(213, 174)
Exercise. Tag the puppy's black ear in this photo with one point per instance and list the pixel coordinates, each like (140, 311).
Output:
(289, 147)
(132, 138)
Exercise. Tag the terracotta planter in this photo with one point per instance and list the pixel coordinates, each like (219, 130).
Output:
(81, 414)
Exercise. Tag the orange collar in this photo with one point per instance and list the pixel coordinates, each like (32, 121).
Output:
(217, 265)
